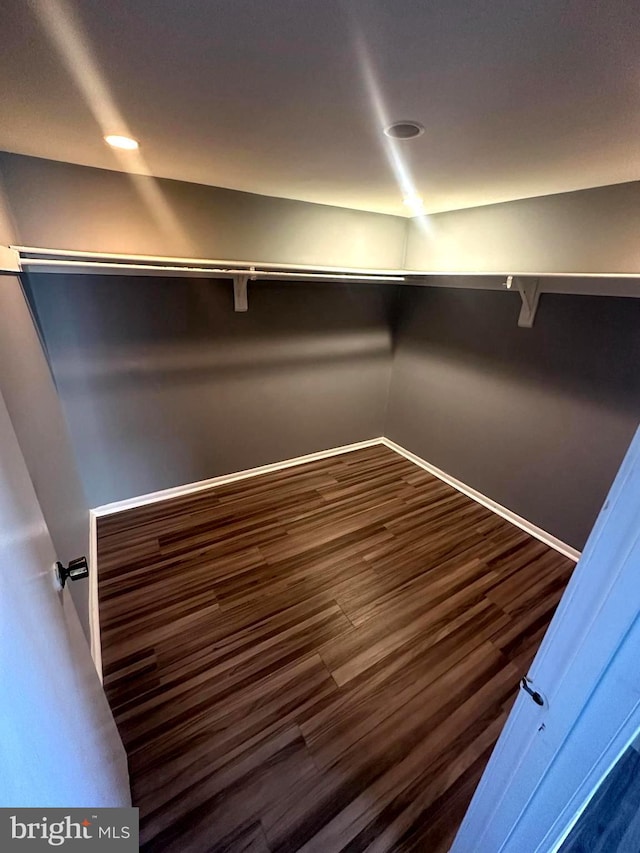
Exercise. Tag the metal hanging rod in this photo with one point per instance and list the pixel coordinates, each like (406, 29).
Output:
(78, 267)
(32, 253)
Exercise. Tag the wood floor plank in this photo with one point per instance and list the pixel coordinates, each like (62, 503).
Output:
(405, 708)
(347, 812)
(319, 658)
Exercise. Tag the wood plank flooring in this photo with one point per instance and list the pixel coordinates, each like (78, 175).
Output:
(318, 659)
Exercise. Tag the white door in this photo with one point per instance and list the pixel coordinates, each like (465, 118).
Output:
(59, 745)
(550, 759)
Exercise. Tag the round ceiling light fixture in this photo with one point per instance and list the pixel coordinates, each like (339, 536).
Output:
(404, 130)
(124, 142)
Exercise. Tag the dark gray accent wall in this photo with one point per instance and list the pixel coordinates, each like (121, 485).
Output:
(163, 384)
(537, 419)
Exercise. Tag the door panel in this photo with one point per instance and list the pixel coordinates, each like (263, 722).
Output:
(550, 759)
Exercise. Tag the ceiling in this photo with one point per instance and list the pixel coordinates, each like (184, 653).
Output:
(288, 97)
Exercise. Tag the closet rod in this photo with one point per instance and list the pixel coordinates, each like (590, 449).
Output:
(79, 267)
(269, 266)
(171, 261)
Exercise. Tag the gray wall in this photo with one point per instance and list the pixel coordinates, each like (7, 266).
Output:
(537, 419)
(594, 231)
(62, 206)
(60, 746)
(163, 384)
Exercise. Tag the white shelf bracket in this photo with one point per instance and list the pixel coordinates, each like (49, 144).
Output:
(240, 295)
(9, 261)
(529, 290)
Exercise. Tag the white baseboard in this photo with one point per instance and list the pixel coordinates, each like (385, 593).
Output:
(522, 523)
(202, 485)
(94, 610)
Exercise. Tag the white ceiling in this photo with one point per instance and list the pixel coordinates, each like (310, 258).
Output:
(287, 97)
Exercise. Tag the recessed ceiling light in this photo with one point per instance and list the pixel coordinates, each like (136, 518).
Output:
(125, 142)
(404, 130)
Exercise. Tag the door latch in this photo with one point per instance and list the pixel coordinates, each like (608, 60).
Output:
(537, 698)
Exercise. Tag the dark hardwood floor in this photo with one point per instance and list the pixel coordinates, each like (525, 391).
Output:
(317, 659)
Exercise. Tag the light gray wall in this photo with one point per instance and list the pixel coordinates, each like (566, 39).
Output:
(62, 206)
(59, 745)
(163, 384)
(38, 421)
(537, 419)
(594, 231)
(36, 414)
